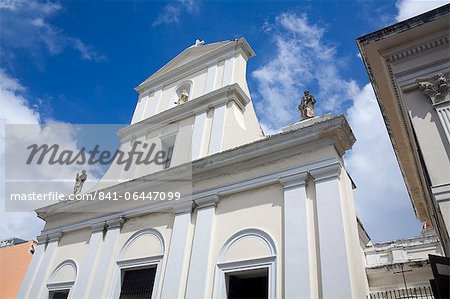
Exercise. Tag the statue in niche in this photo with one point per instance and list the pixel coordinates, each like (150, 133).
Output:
(306, 106)
(183, 97)
(79, 181)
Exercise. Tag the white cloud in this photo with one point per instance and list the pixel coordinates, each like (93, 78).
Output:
(411, 8)
(303, 58)
(381, 198)
(175, 11)
(26, 25)
(16, 110)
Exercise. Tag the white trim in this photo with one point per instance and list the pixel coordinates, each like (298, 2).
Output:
(183, 206)
(269, 262)
(130, 264)
(59, 286)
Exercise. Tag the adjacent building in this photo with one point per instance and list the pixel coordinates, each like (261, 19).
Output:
(409, 67)
(15, 256)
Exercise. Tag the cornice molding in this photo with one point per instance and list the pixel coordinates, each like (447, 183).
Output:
(183, 207)
(328, 172)
(98, 227)
(115, 222)
(294, 180)
(207, 201)
(221, 96)
(239, 45)
(420, 48)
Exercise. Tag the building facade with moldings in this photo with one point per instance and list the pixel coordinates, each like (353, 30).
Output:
(270, 215)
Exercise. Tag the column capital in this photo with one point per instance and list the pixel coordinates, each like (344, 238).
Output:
(99, 226)
(183, 207)
(54, 237)
(42, 239)
(207, 201)
(116, 222)
(326, 172)
(294, 180)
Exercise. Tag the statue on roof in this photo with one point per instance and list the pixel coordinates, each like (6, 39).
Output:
(183, 97)
(306, 106)
(79, 181)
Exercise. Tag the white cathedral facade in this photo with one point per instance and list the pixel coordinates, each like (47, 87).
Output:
(267, 216)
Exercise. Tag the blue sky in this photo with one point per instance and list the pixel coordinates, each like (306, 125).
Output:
(78, 61)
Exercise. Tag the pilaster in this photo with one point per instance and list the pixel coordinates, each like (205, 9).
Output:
(39, 288)
(335, 275)
(105, 257)
(81, 285)
(295, 227)
(217, 129)
(200, 266)
(177, 258)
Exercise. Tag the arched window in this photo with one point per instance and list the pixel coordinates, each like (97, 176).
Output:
(62, 279)
(246, 266)
(139, 265)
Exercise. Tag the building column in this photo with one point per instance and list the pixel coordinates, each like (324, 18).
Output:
(80, 287)
(38, 288)
(335, 275)
(200, 269)
(218, 123)
(104, 257)
(296, 257)
(177, 258)
(198, 136)
(33, 268)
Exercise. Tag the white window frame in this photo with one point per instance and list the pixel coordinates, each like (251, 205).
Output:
(224, 268)
(138, 263)
(62, 285)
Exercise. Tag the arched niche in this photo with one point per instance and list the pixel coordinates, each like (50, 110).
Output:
(144, 243)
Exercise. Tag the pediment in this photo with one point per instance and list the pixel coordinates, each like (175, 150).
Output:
(186, 56)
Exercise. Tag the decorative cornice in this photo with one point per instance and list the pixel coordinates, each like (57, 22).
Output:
(98, 227)
(294, 180)
(436, 89)
(221, 96)
(177, 73)
(326, 173)
(116, 222)
(439, 42)
(207, 201)
(54, 237)
(183, 207)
